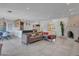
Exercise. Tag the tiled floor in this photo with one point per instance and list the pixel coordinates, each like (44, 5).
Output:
(62, 47)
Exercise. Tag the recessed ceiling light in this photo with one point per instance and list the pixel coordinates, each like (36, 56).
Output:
(28, 8)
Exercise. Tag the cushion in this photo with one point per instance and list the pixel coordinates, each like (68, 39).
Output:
(45, 33)
(51, 36)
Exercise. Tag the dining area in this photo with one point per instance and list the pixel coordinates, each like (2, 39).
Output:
(5, 35)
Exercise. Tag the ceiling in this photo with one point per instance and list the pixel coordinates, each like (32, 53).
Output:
(37, 11)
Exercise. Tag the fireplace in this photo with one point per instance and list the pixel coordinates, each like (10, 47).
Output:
(72, 28)
(70, 34)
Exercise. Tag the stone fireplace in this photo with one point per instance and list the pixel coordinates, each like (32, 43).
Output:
(72, 30)
(70, 34)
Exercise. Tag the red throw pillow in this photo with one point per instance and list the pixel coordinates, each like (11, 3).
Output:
(49, 36)
(45, 33)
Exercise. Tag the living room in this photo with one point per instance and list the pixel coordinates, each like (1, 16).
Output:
(39, 29)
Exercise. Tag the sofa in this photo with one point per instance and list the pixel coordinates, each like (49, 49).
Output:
(33, 38)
